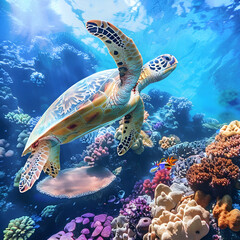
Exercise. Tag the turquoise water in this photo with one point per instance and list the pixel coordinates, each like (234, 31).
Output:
(45, 48)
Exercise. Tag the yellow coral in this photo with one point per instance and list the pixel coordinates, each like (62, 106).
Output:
(231, 129)
(20, 228)
(167, 142)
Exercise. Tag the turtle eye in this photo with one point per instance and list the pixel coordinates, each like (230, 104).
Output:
(167, 58)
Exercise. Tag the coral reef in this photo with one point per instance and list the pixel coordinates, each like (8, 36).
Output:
(179, 170)
(161, 176)
(202, 198)
(216, 176)
(167, 142)
(76, 182)
(99, 149)
(88, 226)
(228, 147)
(19, 228)
(186, 149)
(187, 220)
(225, 215)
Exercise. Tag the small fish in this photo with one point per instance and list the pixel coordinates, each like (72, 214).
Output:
(163, 164)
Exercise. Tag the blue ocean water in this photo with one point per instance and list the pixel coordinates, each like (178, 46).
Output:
(45, 49)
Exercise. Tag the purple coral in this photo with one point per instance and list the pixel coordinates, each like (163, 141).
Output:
(135, 210)
(88, 226)
(158, 126)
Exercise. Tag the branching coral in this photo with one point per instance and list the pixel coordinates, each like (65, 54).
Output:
(99, 149)
(223, 146)
(18, 118)
(161, 176)
(19, 228)
(176, 220)
(216, 176)
(227, 217)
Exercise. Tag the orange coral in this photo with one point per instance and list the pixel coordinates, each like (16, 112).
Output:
(224, 146)
(227, 217)
(217, 176)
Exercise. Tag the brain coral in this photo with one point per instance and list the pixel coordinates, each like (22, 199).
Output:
(224, 146)
(232, 129)
(187, 221)
(20, 228)
(216, 176)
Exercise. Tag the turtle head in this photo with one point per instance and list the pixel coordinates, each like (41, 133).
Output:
(157, 69)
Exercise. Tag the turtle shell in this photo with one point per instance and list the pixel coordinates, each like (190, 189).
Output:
(68, 103)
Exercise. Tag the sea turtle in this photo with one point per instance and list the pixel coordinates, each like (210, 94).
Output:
(94, 102)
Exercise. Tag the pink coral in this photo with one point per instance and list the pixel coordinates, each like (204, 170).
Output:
(99, 149)
(161, 176)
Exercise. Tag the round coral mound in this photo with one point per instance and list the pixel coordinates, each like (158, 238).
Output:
(216, 176)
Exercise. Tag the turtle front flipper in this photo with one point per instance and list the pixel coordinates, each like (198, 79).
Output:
(52, 166)
(132, 124)
(122, 49)
(34, 165)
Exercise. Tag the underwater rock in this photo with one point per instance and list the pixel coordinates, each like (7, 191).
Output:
(76, 182)
(225, 215)
(19, 228)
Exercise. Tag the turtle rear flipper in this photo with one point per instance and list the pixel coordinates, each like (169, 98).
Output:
(132, 124)
(34, 165)
(52, 166)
